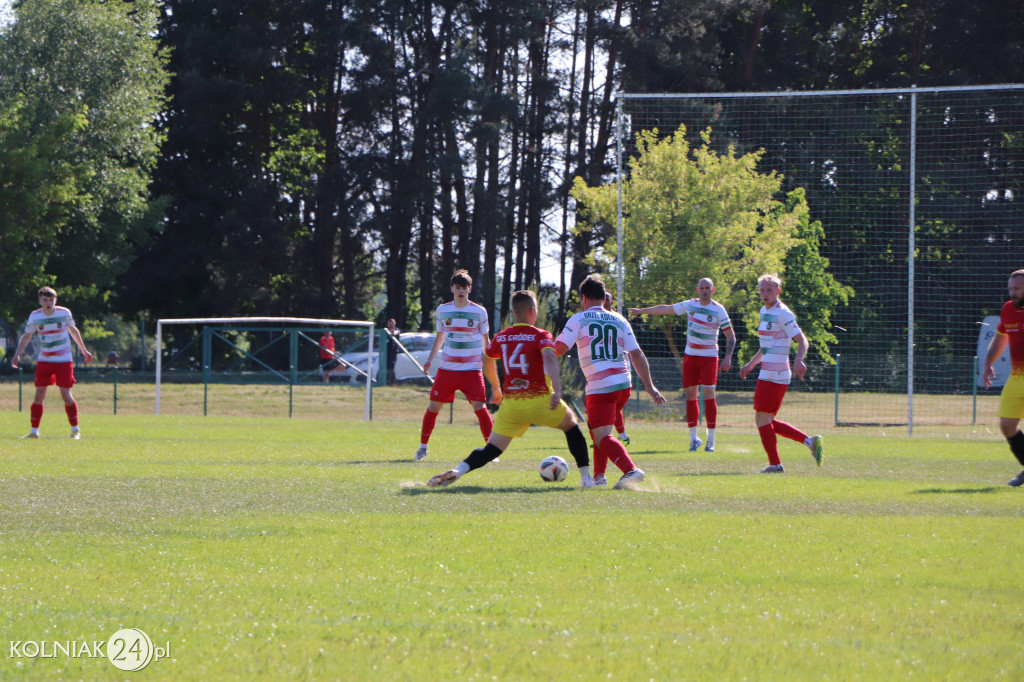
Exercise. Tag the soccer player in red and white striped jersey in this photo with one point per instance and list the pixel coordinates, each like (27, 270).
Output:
(604, 339)
(776, 330)
(462, 336)
(56, 329)
(705, 317)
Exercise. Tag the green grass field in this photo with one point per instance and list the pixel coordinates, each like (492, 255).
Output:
(310, 549)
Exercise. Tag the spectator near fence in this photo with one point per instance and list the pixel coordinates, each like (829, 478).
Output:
(392, 349)
(329, 361)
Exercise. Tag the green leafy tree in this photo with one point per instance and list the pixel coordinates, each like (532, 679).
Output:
(809, 289)
(89, 78)
(37, 191)
(691, 213)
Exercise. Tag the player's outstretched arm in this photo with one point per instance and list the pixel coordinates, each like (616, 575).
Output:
(491, 372)
(730, 346)
(22, 344)
(754, 361)
(77, 336)
(663, 309)
(995, 349)
(434, 350)
(553, 372)
(643, 370)
(799, 366)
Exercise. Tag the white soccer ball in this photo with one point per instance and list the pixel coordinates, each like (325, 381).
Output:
(554, 468)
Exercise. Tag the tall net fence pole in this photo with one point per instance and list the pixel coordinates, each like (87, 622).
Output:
(919, 197)
(912, 245)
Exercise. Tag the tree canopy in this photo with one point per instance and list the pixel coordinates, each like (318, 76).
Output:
(81, 85)
(695, 213)
(343, 158)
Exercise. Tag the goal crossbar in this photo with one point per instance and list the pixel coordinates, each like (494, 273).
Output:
(310, 321)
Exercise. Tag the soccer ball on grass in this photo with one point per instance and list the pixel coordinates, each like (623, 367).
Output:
(554, 468)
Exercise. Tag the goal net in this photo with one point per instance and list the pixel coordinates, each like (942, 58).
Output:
(266, 350)
(919, 197)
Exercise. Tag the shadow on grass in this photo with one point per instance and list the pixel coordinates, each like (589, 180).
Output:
(713, 473)
(956, 491)
(477, 489)
(303, 463)
(357, 462)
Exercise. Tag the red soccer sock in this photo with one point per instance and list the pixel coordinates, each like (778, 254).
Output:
(35, 415)
(620, 423)
(600, 462)
(692, 413)
(72, 411)
(616, 452)
(600, 458)
(770, 443)
(429, 419)
(486, 422)
(789, 431)
(711, 413)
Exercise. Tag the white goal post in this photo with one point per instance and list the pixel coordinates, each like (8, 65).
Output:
(369, 326)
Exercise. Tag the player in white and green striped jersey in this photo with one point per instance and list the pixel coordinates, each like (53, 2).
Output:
(56, 329)
(777, 329)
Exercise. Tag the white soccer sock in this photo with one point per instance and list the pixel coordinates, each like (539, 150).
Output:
(584, 471)
(34, 431)
(462, 469)
(623, 435)
(711, 435)
(808, 441)
(693, 433)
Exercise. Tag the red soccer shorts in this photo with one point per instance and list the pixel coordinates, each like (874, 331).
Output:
(602, 408)
(700, 370)
(470, 382)
(50, 373)
(768, 396)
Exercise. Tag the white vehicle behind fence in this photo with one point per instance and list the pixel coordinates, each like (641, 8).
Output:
(417, 343)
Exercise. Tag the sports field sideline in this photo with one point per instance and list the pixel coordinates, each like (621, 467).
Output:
(275, 548)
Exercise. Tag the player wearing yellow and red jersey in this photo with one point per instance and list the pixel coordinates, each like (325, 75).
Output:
(1010, 331)
(532, 393)
(56, 329)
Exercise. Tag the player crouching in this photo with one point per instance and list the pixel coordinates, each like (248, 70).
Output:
(532, 393)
